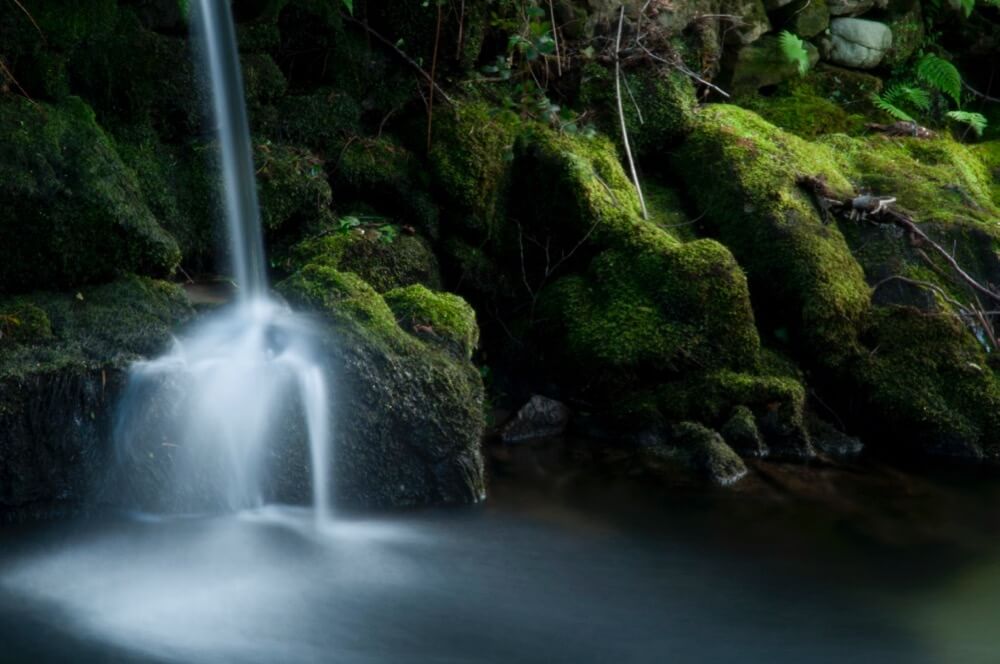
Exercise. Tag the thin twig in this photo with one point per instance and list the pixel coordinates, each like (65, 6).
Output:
(621, 113)
(367, 28)
(7, 72)
(32, 19)
(461, 26)
(555, 37)
(434, 62)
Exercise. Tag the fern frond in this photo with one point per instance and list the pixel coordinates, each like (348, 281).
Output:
(941, 75)
(918, 98)
(976, 121)
(794, 49)
(887, 106)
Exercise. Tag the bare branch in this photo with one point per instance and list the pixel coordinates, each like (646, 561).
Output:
(621, 113)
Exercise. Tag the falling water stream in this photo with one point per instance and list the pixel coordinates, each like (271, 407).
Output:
(230, 383)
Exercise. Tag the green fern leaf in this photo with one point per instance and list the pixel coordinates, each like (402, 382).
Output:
(898, 94)
(886, 105)
(941, 75)
(794, 49)
(975, 120)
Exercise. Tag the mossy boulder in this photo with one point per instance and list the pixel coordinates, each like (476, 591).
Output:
(61, 372)
(384, 261)
(744, 173)
(692, 447)
(440, 318)
(658, 106)
(410, 412)
(811, 279)
(73, 212)
(293, 189)
(470, 159)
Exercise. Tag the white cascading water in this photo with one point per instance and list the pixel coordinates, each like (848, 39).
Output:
(213, 404)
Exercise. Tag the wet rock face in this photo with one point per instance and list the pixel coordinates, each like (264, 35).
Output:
(692, 448)
(857, 43)
(541, 417)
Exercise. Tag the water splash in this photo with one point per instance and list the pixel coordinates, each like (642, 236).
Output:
(202, 420)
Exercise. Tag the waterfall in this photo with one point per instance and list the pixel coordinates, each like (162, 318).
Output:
(201, 422)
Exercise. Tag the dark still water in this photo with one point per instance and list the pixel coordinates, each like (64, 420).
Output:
(798, 565)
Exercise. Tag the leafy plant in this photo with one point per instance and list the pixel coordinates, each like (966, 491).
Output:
(895, 97)
(794, 50)
(941, 75)
(976, 121)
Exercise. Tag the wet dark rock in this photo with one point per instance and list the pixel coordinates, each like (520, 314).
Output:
(832, 441)
(691, 447)
(741, 433)
(541, 417)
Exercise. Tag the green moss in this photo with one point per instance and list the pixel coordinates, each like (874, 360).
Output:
(323, 120)
(23, 322)
(930, 381)
(806, 115)
(384, 173)
(402, 261)
(470, 159)
(292, 185)
(74, 211)
(989, 155)
(263, 81)
(743, 172)
(440, 318)
(179, 185)
(109, 324)
(659, 110)
(137, 76)
(347, 300)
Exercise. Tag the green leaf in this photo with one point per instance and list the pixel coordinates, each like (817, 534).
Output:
(794, 49)
(884, 104)
(350, 6)
(976, 121)
(941, 75)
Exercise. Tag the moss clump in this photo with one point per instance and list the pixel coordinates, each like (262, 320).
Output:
(322, 120)
(179, 184)
(694, 447)
(440, 318)
(667, 307)
(384, 172)
(23, 322)
(930, 381)
(294, 192)
(415, 410)
(137, 76)
(470, 159)
(806, 115)
(665, 99)
(106, 325)
(741, 433)
(385, 264)
(743, 172)
(347, 299)
(74, 211)
(989, 154)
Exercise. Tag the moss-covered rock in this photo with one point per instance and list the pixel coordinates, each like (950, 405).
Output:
(743, 172)
(74, 213)
(411, 412)
(694, 447)
(439, 318)
(293, 188)
(60, 376)
(385, 262)
(470, 159)
(916, 379)
(741, 433)
(382, 173)
(659, 105)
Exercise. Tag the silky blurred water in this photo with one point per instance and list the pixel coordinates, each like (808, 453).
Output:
(613, 573)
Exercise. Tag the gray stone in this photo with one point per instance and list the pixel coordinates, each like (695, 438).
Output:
(857, 43)
(854, 7)
(541, 417)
